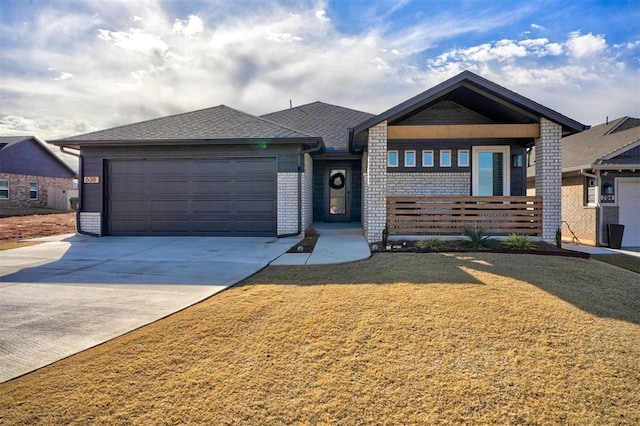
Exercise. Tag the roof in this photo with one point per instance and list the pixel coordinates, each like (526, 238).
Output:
(220, 123)
(479, 94)
(331, 122)
(598, 146)
(7, 142)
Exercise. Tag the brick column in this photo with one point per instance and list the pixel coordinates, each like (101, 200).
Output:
(549, 177)
(375, 195)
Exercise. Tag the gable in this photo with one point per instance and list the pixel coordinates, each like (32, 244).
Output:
(30, 157)
(444, 112)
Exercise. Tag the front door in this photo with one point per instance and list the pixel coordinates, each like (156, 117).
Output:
(338, 194)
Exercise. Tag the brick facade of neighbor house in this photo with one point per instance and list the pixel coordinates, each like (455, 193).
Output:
(19, 189)
(375, 186)
(549, 177)
(579, 220)
(288, 199)
(428, 184)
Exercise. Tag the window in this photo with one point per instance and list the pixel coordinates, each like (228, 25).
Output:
(4, 189)
(445, 158)
(427, 158)
(33, 191)
(392, 158)
(463, 158)
(409, 158)
(490, 175)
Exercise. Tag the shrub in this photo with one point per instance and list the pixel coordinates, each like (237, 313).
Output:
(519, 242)
(431, 243)
(477, 238)
(310, 232)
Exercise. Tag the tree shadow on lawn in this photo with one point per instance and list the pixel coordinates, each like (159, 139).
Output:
(600, 289)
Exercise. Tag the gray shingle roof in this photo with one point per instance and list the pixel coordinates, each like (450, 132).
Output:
(216, 123)
(10, 140)
(591, 146)
(331, 122)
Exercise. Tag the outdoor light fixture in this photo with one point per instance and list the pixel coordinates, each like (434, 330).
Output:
(607, 189)
(517, 161)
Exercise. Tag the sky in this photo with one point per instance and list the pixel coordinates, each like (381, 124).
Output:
(69, 67)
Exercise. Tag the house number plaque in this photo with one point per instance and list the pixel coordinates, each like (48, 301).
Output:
(91, 179)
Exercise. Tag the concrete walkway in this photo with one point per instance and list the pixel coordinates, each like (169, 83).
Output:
(631, 251)
(74, 292)
(337, 243)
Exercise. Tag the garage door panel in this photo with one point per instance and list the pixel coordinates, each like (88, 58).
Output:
(227, 197)
(254, 207)
(218, 186)
(629, 206)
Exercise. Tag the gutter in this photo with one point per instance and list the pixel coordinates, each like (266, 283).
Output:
(301, 153)
(80, 192)
(597, 177)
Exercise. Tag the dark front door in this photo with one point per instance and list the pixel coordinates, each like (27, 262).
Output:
(338, 193)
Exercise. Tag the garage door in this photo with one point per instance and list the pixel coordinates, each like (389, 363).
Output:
(629, 205)
(204, 197)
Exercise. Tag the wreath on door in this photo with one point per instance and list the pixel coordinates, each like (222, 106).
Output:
(336, 181)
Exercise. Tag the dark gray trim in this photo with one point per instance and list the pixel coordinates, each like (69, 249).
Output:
(311, 142)
(473, 81)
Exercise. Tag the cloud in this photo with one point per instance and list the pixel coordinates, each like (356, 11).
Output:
(191, 28)
(322, 16)
(580, 46)
(64, 76)
(537, 26)
(145, 61)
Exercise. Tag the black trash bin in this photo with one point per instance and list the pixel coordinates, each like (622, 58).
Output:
(615, 232)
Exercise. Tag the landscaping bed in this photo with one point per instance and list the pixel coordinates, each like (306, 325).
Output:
(490, 246)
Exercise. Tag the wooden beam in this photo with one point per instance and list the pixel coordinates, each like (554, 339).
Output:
(464, 131)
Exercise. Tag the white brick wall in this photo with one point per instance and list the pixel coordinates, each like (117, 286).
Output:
(549, 177)
(91, 222)
(288, 199)
(428, 184)
(287, 203)
(375, 187)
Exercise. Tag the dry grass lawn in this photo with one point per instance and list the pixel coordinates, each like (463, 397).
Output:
(474, 338)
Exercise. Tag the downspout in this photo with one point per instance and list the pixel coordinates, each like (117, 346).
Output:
(301, 153)
(598, 205)
(80, 192)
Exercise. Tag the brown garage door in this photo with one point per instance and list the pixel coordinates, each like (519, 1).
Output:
(215, 197)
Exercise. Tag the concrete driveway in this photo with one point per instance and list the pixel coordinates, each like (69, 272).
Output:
(70, 292)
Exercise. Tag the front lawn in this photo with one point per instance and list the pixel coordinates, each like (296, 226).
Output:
(473, 338)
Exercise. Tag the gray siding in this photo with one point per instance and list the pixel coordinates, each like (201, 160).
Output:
(30, 158)
(445, 112)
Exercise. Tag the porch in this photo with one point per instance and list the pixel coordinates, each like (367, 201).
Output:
(450, 215)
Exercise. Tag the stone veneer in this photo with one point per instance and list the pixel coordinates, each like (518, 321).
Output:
(288, 199)
(549, 177)
(428, 184)
(375, 183)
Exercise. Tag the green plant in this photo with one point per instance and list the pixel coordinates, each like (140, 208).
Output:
(559, 237)
(431, 243)
(477, 238)
(519, 242)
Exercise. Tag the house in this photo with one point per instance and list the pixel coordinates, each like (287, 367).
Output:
(601, 182)
(31, 175)
(448, 158)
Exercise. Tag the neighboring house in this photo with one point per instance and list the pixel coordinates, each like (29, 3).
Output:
(448, 158)
(601, 182)
(30, 174)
